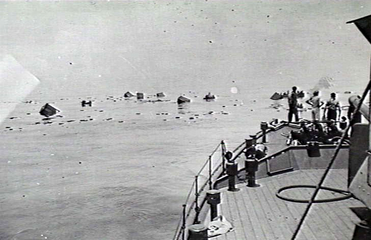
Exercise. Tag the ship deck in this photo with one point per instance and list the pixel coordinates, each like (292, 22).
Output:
(256, 213)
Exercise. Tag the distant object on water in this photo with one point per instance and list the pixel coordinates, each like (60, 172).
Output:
(86, 103)
(183, 99)
(140, 96)
(48, 110)
(323, 83)
(128, 94)
(209, 97)
(301, 94)
(161, 94)
(279, 96)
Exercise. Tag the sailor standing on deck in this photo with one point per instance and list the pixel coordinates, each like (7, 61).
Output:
(293, 104)
(316, 103)
(332, 107)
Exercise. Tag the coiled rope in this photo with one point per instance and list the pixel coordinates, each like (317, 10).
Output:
(346, 194)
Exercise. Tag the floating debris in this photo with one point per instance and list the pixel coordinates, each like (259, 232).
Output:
(159, 95)
(128, 94)
(277, 96)
(183, 99)
(48, 110)
(140, 96)
(209, 97)
(86, 103)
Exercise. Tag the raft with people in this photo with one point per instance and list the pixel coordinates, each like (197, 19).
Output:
(209, 97)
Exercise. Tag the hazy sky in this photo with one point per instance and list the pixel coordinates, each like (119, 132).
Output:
(87, 46)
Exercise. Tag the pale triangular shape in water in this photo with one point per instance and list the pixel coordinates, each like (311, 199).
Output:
(323, 83)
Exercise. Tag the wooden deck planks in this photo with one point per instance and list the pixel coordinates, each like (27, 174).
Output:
(248, 223)
(307, 232)
(321, 222)
(242, 215)
(285, 217)
(255, 204)
(256, 213)
(256, 226)
(271, 210)
(231, 216)
(340, 227)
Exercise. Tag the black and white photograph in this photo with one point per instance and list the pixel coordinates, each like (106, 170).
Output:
(185, 120)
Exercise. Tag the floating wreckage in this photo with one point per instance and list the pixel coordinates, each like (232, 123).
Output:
(48, 110)
(140, 96)
(160, 95)
(86, 103)
(209, 97)
(183, 99)
(279, 96)
(301, 94)
(128, 94)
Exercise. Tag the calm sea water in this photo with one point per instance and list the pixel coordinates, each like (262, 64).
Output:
(122, 168)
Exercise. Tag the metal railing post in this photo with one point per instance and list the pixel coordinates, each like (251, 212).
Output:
(197, 208)
(223, 153)
(210, 172)
(184, 222)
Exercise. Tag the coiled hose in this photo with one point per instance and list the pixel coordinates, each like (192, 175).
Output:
(345, 193)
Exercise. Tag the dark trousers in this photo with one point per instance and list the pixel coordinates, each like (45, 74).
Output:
(331, 114)
(293, 111)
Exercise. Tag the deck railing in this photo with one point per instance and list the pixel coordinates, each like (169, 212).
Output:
(213, 168)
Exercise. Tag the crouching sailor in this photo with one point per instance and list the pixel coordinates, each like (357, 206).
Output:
(260, 151)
